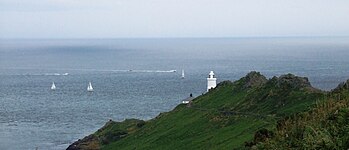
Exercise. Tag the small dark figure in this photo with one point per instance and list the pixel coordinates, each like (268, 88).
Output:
(191, 95)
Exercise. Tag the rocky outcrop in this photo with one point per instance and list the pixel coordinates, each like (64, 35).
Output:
(291, 81)
(254, 79)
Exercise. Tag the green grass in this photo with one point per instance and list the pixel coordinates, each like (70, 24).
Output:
(224, 118)
(326, 126)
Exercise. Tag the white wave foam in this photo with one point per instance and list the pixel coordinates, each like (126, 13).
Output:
(159, 71)
(52, 74)
(45, 74)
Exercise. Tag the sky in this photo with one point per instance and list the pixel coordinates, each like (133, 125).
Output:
(172, 18)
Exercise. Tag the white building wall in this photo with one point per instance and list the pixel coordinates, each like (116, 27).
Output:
(211, 81)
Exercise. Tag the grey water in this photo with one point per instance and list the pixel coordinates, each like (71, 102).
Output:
(134, 78)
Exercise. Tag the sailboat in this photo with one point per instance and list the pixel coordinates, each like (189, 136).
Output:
(89, 87)
(182, 74)
(53, 87)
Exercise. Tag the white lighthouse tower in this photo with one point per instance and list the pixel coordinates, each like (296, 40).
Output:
(211, 81)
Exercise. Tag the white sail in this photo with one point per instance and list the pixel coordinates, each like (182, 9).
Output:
(89, 87)
(53, 87)
(183, 74)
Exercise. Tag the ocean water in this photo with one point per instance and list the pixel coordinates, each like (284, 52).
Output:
(134, 78)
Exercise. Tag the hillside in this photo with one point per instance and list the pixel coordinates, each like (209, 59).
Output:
(326, 126)
(223, 118)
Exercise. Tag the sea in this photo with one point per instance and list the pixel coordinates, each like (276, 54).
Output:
(137, 78)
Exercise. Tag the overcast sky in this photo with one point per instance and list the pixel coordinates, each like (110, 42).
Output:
(172, 18)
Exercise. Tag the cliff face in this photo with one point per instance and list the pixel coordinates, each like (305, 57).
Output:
(224, 118)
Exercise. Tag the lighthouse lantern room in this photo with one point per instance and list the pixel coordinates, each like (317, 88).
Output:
(211, 81)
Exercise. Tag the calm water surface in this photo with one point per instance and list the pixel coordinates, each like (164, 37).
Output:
(132, 78)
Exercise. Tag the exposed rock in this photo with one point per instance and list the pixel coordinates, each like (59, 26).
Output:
(254, 79)
(291, 81)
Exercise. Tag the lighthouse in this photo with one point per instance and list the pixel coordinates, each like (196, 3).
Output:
(211, 81)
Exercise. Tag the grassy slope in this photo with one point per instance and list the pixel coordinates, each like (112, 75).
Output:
(111, 131)
(223, 118)
(326, 126)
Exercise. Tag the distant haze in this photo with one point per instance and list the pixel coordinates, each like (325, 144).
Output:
(172, 18)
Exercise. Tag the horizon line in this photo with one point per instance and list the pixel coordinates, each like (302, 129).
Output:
(179, 37)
